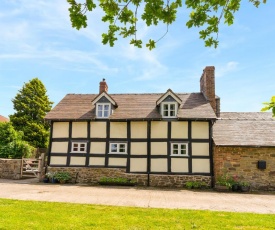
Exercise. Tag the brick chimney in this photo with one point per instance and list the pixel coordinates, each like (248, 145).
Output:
(207, 85)
(103, 87)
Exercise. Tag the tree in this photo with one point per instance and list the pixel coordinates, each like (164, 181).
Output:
(31, 105)
(7, 133)
(11, 143)
(270, 105)
(123, 15)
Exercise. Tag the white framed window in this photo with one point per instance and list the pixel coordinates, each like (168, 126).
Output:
(103, 110)
(79, 147)
(120, 148)
(179, 149)
(169, 109)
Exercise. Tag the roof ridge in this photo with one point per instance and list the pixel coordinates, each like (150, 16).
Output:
(182, 93)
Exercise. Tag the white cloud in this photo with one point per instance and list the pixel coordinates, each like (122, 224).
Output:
(226, 69)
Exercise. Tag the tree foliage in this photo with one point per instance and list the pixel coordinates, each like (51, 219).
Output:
(31, 105)
(122, 17)
(11, 143)
(8, 133)
(270, 105)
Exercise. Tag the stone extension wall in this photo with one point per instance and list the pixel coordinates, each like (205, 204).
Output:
(10, 168)
(93, 175)
(243, 161)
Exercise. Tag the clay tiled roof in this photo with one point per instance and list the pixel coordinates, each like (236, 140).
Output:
(130, 106)
(3, 119)
(244, 129)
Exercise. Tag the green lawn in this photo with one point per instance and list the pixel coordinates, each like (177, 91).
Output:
(16, 214)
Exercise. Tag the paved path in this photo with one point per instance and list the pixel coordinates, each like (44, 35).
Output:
(137, 197)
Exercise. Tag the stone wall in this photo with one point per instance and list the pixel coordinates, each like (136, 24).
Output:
(10, 168)
(93, 175)
(243, 161)
(176, 181)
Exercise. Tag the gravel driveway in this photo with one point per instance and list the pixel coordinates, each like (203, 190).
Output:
(31, 189)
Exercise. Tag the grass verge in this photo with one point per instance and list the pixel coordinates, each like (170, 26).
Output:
(15, 214)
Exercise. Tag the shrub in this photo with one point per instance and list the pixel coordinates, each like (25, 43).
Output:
(16, 149)
(118, 180)
(225, 180)
(62, 176)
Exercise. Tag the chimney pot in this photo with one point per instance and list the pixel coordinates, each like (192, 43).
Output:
(103, 87)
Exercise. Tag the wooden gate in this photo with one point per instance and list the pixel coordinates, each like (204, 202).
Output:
(32, 167)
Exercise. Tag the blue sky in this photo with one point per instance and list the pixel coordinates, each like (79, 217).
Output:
(37, 40)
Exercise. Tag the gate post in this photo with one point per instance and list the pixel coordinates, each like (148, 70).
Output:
(41, 162)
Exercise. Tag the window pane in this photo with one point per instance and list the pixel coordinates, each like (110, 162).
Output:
(82, 145)
(182, 147)
(172, 106)
(106, 113)
(106, 107)
(122, 148)
(165, 113)
(100, 107)
(99, 113)
(75, 149)
(82, 149)
(75, 145)
(183, 152)
(172, 113)
(175, 151)
(113, 147)
(175, 146)
(165, 106)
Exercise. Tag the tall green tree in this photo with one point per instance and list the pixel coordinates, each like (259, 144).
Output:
(270, 105)
(31, 105)
(122, 16)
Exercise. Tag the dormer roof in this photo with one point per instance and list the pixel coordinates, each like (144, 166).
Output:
(169, 92)
(107, 96)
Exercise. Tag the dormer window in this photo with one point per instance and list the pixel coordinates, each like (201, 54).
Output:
(169, 109)
(168, 104)
(103, 110)
(104, 105)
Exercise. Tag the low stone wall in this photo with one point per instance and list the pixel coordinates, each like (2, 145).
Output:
(10, 168)
(176, 181)
(242, 162)
(93, 175)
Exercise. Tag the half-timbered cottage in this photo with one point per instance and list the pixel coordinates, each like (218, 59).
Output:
(159, 139)
(161, 134)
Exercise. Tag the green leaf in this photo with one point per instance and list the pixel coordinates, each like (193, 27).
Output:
(151, 44)
(137, 43)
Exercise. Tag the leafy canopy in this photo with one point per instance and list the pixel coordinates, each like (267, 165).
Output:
(31, 105)
(122, 17)
(8, 133)
(11, 143)
(270, 105)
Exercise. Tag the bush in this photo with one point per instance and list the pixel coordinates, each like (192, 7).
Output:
(62, 176)
(8, 133)
(16, 149)
(118, 180)
(11, 143)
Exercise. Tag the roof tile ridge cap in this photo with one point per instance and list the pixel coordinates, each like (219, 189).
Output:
(134, 93)
(81, 94)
